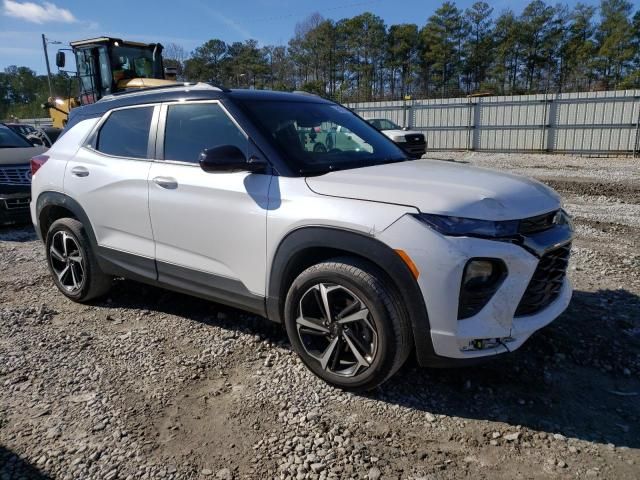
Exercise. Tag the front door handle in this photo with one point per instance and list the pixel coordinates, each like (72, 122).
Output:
(169, 183)
(80, 172)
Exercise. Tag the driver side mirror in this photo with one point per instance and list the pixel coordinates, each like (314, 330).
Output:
(405, 128)
(60, 59)
(229, 158)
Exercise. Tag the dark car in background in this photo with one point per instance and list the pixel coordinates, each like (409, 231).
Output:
(44, 136)
(15, 176)
(23, 129)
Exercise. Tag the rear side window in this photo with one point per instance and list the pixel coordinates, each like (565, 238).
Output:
(191, 128)
(126, 133)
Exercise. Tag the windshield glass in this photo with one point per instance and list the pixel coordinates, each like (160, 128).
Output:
(10, 139)
(22, 129)
(384, 124)
(131, 62)
(321, 137)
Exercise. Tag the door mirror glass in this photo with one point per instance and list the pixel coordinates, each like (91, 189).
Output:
(60, 59)
(229, 158)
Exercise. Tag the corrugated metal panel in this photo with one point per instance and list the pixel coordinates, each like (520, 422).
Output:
(583, 122)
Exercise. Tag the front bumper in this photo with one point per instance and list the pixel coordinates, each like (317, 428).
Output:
(441, 262)
(415, 150)
(14, 206)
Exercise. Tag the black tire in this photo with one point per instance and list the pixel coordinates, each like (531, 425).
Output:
(94, 283)
(385, 314)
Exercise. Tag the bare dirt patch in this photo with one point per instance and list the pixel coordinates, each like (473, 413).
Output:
(153, 384)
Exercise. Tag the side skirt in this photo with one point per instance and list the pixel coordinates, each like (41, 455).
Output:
(204, 285)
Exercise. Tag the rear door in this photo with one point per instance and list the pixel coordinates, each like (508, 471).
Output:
(209, 228)
(109, 178)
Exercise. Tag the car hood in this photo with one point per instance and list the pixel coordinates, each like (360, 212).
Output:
(445, 188)
(401, 133)
(13, 156)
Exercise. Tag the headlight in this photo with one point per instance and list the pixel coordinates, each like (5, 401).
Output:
(562, 218)
(457, 226)
(399, 138)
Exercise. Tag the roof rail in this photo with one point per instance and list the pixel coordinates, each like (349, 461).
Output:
(309, 94)
(219, 87)
(146, 90)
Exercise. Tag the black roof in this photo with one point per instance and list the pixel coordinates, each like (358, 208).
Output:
(199, 91)
(181, 91)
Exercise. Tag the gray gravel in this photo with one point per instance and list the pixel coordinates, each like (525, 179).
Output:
(152, 384)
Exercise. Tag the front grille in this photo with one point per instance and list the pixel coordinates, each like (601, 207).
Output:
(414, 138)
(538, 223)
(546, 283)
(17, 203)
(15, 175)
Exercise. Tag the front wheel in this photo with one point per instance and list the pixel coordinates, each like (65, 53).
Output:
(346, 324)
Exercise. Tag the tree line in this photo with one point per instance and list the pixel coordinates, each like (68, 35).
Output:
(543, 48)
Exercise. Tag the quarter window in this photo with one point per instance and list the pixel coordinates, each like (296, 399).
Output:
(126, 133)
(192, 128)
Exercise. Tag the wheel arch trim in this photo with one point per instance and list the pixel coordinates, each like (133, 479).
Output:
(303, 239)
(49, 199)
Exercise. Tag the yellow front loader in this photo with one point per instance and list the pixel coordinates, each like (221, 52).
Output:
(107, 65)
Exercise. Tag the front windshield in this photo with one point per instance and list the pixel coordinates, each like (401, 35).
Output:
(131, 62)
(10, 139)
(321, 137)
(384, 124)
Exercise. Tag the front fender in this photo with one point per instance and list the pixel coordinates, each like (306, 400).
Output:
(303, 241)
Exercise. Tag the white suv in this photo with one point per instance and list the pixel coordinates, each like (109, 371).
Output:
(361, 253)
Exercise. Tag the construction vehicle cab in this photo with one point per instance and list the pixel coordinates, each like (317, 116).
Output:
(107, 65)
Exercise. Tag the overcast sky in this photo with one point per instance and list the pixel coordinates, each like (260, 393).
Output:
(187, 22)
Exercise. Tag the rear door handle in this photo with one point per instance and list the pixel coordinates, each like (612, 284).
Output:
(80, 172)
(169, 183)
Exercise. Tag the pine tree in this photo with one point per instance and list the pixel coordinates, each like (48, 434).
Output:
(441, 44)
(479, 44)
(614, 39)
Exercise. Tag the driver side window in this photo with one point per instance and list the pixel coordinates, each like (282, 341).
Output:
(191, 128)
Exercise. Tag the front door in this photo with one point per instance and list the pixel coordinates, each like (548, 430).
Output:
(209, 228)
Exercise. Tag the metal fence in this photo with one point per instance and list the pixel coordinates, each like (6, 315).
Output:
(590, 123)
(36, 122)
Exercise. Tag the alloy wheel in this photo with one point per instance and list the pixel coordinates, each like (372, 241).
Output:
(67, 261)
(336, 329)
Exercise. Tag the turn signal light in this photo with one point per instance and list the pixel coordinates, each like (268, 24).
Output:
(409, 263)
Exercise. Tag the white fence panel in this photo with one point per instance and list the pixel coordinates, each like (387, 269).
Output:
(584, 122)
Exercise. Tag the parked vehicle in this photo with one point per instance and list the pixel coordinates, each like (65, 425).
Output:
(362, 254)
(106, 65)
(15, 176)
(42, 136)
(23, 129)
(411, 141)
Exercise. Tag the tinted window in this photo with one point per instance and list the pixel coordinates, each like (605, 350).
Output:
(10, 139)
(192, 128)
(318, 137)
(126, 133)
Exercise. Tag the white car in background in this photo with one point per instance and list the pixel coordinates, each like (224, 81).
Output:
(411, 141)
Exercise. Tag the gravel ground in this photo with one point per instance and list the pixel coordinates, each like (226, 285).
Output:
(153, 384)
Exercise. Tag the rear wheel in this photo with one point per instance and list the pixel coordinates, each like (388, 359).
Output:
(346, 324)
(72, 263)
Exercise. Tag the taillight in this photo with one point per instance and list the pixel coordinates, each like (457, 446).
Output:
(37, 162)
